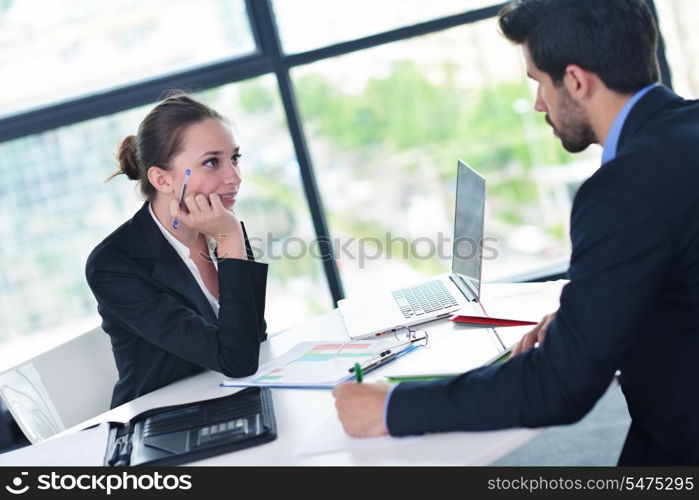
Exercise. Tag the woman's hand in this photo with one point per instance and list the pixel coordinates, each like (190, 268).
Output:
(208, 215)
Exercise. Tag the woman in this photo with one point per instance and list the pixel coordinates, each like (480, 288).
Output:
(176, 285)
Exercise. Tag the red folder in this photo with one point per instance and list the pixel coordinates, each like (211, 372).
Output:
(482, 321)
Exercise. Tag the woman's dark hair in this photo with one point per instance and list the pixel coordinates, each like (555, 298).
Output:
(615, 39)
(159, 138)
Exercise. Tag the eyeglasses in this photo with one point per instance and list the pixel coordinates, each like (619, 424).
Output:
(404, 335)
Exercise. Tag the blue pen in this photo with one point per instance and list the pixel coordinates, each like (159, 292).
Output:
(183, 191)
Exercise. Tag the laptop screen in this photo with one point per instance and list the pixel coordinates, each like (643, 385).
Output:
(468, 227)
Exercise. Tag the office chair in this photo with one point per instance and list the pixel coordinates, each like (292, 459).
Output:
(61, 387)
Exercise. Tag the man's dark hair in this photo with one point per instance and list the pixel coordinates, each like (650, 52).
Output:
(615, 39)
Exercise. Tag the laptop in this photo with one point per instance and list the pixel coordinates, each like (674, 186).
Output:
(441, 296)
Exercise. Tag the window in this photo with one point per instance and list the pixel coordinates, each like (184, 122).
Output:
(309, 24)
(80, 46)
(682, 43)
(386, 127)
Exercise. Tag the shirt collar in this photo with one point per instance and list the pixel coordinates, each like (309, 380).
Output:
(610, 145)
(182, 249)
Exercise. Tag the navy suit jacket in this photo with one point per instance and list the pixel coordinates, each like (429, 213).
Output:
(632, 304)
(161, 325)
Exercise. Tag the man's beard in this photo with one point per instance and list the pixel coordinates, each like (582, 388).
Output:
(574, 130)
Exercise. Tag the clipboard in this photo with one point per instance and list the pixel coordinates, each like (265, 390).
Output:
(317, 364)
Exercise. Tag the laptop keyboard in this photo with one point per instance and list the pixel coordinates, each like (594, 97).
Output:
(423, 299)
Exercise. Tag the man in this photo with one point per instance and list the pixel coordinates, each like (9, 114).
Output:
(632, 303)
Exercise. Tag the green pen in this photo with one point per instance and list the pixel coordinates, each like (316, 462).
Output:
(358, 373)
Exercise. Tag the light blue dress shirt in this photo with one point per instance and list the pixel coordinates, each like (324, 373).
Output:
(610, 145)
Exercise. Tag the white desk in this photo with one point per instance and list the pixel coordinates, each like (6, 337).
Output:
(308, 430)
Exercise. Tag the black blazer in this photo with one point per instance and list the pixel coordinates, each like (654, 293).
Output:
(161, 325)
(632, 305)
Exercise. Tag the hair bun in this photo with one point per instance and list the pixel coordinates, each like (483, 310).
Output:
(128, 158)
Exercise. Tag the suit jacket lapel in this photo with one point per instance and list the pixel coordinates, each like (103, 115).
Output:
(146, 241)
(649, 105)
(248, 248)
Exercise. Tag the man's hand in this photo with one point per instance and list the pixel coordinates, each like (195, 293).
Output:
(534, 336)
(360, 408)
